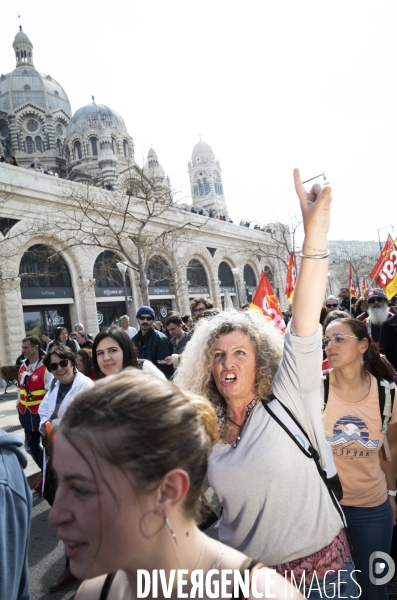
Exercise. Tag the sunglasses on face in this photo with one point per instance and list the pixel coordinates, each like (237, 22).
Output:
(373, 300)
(337, 338)
(62, 363)
(145, 318)
(331, 305)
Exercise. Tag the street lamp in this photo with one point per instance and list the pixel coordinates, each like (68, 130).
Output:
(387, 227)
(122, 267)
(325, 181)
(236, 272)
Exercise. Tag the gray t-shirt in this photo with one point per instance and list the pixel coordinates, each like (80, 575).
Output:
(276, 508)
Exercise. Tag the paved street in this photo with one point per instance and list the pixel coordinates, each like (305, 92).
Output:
(46, 556)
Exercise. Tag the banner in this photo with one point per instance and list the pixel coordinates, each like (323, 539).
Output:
(352, 288)
(363, 286)
(291, 278)
(385, 270)
(265, 300)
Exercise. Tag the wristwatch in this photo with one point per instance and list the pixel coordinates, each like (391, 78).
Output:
(391, 492)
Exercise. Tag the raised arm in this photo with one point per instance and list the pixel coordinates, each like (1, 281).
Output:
(312, 279)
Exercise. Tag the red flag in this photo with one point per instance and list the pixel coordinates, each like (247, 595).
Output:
(265, 300)
(352, 288)
(291, 278)
(363, 286)
(385, 270)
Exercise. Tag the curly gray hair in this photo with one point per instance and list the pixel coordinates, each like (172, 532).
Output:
(195, 370)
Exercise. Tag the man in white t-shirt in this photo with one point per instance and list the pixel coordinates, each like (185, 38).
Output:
(124, 323)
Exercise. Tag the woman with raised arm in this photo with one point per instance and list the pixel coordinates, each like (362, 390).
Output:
(131, 458)
(275, 503)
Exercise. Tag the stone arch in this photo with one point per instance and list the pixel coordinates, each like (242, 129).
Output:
(43, 266)
(105, 271)
(159, 272)
(198, 282)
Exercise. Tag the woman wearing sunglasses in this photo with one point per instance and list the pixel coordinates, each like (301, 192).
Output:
(353, 427)
(67, 382)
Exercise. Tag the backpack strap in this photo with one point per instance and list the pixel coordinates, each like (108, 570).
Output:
(386, 392)
(325, 387)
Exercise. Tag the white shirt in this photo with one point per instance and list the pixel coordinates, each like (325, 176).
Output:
(131, 332)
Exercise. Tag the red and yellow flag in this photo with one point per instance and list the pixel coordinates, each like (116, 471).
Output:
(364, 286)
(265, 300)
(352, 287)
(385, 270)
(291, 278)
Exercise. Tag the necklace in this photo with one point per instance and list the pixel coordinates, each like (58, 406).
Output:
(201, 554)
(236, 424)
(215, 565)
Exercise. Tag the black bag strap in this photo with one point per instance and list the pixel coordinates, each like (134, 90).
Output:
(107, 585)
(312, 453)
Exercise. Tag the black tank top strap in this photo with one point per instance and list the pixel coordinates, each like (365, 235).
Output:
(107, 585)
(252, 566)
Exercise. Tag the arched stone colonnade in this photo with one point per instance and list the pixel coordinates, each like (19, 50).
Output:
(93, 296)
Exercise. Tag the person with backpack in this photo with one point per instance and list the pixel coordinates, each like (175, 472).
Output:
(360, 420)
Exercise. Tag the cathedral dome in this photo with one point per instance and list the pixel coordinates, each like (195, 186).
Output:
(95, 116)
(202, 149)
(26, 85)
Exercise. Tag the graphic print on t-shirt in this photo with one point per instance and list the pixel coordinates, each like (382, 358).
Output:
(351, 438)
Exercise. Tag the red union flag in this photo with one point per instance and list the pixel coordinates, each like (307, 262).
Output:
(385, 270)
(352, 288)
(265, 299)
(363, 286)
(291, 278)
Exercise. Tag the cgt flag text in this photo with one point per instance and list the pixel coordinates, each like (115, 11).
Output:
(385, 270)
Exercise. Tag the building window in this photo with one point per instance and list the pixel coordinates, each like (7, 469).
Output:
(94, 146)
(59, 129)
(225, 275)
(59, 147)
(200, 188)
(196, 274)
(29, 145)
(77, 151)
(249, 276)
(32, 125)
(42, 266)
(125, 148)
(39, 143)
(206, 186)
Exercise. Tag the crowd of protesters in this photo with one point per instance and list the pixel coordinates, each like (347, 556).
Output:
(140, 466)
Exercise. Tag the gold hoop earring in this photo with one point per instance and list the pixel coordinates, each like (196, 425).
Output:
(167, 522)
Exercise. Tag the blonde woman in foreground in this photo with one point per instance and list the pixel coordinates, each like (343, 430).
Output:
(131, 458)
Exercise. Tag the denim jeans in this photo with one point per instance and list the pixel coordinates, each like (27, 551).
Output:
(369, 530)
(340, 584)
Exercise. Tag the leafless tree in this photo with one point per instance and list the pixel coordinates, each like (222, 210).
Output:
(140, 221)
